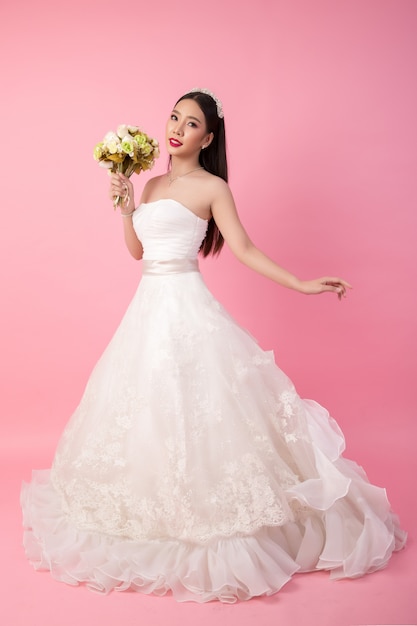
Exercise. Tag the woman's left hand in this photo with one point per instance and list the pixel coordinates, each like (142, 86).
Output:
(327, 283)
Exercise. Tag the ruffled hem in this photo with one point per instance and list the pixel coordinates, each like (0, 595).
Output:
(225, 569)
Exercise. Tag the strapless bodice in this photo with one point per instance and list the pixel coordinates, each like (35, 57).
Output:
(168, 230)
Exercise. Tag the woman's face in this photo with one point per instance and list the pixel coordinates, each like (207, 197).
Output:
(186, 130)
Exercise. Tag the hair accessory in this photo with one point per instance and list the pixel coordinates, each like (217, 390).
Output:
(215, 98)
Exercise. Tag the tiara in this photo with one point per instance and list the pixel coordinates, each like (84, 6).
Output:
(216, 100)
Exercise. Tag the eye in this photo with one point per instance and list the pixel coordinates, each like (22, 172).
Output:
(192, 124)
(174, 117)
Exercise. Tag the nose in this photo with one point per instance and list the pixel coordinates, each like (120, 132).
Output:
(178, 129)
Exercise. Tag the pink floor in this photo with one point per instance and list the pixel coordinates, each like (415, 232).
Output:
(386, 597)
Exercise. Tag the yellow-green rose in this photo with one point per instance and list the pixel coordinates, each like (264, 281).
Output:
(128, 145)
(145, 148)
(98, 151)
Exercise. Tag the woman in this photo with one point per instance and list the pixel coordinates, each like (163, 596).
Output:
(191, 464)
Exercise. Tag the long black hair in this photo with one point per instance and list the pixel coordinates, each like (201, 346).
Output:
(213, 159)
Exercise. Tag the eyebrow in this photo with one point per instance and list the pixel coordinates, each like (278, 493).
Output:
(190, 117)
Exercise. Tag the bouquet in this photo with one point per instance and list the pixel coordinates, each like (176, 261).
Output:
(127, 150)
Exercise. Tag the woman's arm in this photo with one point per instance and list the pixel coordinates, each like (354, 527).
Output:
(225, 215)
(121, 186)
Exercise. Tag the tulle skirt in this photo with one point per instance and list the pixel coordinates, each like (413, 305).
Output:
(192, 465)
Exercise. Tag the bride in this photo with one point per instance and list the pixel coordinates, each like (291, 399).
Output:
(191, 464)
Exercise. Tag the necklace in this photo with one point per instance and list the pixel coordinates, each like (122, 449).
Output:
(172, 180)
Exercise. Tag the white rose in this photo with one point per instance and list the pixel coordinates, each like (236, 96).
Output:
(106, 164)
(113, 146)
(122, 130)
(110, 136)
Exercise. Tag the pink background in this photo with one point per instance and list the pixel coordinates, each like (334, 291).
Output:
(320, 103)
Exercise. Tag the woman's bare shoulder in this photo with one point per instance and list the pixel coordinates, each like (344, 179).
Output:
(217, 186)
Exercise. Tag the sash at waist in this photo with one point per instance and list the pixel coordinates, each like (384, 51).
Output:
(172, 266)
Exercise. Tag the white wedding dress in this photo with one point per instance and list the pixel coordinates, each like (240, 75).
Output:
(191, 464)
